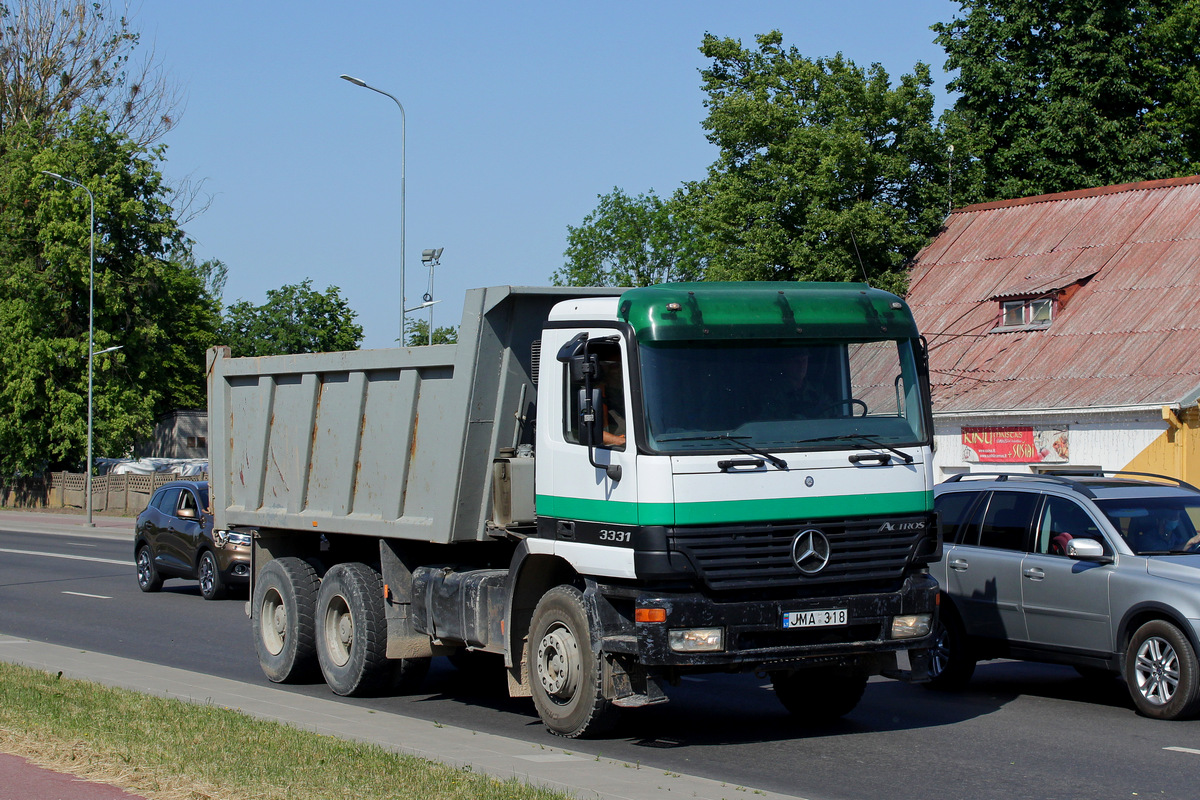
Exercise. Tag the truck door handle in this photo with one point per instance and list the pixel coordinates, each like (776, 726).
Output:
(958, 564)
(1033, 573)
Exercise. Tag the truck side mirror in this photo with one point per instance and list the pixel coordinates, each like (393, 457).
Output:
(591, 417)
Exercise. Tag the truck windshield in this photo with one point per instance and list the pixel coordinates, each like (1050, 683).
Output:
(780, 395)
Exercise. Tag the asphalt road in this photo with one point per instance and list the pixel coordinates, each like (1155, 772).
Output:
(1021, 730)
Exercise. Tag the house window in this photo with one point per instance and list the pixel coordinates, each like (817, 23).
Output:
(1037, 313)
(197, 441)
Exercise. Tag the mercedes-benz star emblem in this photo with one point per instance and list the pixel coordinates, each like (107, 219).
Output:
(810, 551)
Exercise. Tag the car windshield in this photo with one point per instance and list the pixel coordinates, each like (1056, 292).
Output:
(782, 394)
(1155, 525)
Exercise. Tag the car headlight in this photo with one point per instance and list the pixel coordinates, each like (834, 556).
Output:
(232, 538)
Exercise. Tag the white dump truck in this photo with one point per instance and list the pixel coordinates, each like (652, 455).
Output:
(608, 488)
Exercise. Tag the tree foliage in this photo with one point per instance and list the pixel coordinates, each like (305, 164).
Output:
(150, 297)
(295, 319)
(418, 333)
(630, 242)
(1057, 95)
(59, 58)
(826, 170)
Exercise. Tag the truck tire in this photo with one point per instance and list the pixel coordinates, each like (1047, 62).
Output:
(951, 659)
(352, 632)
(1162, 672)
(819, 695)
(566, 674)
(284, 602)
(209, 575)
(147, 576)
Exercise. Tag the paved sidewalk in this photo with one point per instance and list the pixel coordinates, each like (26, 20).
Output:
(66, 524)
(21, 780)
(558, 768)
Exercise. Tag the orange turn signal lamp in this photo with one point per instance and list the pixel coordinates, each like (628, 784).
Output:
(650, 615)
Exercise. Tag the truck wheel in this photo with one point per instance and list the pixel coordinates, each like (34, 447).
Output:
(147, 576)
(285, 597)
(820, 695)
(566, 673)
(352, 631)
(211, 585)
(1162, 673)
(951, 661)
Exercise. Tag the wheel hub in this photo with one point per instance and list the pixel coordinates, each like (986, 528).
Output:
(558, 663)
(1157, 671)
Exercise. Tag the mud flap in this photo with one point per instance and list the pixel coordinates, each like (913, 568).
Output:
(629, 685)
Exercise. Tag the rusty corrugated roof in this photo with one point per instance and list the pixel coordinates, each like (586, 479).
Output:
(1124, 262)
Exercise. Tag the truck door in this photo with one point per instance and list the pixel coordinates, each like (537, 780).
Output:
(589, 509)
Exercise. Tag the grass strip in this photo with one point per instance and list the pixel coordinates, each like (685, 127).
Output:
(168, 749)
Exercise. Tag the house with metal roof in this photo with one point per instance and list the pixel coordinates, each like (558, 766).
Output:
(1064, 332)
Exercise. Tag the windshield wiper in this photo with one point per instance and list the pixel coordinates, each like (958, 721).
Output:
(778, 462)
(862, 437)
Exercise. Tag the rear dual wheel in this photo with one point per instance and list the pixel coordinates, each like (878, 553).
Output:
(351, 633)
(284, 603)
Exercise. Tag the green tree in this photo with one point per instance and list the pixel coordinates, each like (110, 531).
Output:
(1056, 95)
(150, 297)
(630, 242)
(826, 170)
(418, 333)
(295, 319)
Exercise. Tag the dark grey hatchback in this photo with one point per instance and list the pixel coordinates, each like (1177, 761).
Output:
(174, 538)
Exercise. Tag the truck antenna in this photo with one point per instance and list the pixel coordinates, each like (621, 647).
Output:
(858, 255)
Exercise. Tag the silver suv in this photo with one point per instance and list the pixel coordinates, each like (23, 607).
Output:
(1100, 572)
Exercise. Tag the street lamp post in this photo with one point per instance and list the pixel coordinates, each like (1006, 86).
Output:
(91, 328)
(403, 125)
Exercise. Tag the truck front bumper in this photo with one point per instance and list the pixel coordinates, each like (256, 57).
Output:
(753, 635)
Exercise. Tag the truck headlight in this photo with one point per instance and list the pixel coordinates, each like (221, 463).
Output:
(696, 640)
(913, 626)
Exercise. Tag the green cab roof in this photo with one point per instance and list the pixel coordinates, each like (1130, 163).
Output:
(765, 310)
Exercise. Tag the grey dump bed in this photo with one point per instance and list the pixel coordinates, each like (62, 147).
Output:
(391, 443)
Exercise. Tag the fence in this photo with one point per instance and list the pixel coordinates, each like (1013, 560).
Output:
(127, 494)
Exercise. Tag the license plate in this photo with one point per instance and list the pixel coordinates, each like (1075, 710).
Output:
(819, 618)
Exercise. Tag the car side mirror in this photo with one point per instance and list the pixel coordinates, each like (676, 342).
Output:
(1087, 550)
(187, 513)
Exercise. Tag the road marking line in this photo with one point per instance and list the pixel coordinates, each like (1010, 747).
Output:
(1191, 750)
(67, 555)
(85, 594)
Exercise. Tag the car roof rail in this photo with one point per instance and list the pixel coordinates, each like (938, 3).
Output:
(1180, 483)
(1068, 478)
(1035, 476)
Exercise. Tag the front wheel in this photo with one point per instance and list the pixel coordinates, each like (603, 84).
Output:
(565, 672)
(352, 631)
(1162, 672)
(211, 585)
(284, 602)
(821, 694)
(951, 661)
(147, 576)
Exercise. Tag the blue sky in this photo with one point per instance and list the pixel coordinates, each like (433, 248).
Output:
(518, 116)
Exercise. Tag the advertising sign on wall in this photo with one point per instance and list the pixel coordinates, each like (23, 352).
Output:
(1009, 444)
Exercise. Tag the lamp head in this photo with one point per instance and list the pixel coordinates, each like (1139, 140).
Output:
(355, 81)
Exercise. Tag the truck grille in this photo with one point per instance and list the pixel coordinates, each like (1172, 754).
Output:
(760, 557)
